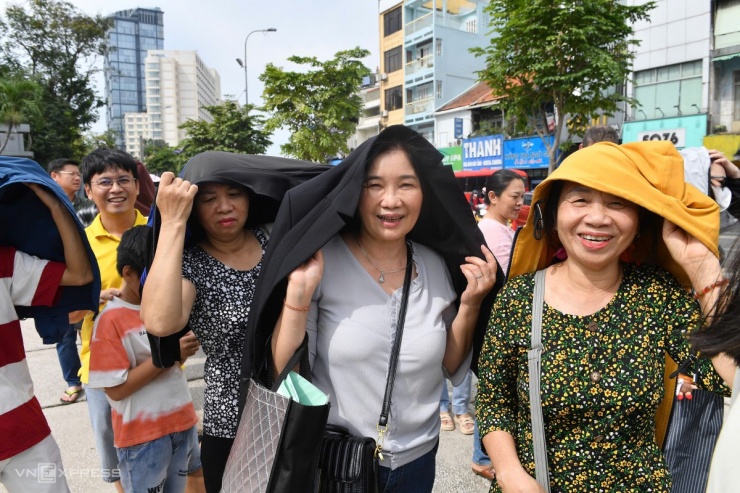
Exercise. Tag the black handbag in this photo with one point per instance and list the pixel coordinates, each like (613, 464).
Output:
(277, 443)
(348, 463)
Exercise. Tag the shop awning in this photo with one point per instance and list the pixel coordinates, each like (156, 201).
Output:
(725, 57)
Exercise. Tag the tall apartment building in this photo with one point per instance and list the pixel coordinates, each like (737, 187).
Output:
(178, 86)
(425, 57)
(134, 32)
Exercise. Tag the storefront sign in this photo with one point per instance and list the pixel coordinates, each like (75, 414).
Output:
(453, 157)
(682, 131)
(483, 152)
(676, 136)
(529, 152)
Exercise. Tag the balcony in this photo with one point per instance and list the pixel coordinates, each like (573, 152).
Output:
(420, 65)
(420, 106)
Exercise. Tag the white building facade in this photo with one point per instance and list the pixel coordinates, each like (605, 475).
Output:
(178, 87)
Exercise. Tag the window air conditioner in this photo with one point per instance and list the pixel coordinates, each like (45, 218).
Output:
(383, 76)
(384, 114)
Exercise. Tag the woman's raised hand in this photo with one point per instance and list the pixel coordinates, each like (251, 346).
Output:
(175, 197)
(691, 254)
(481, 276)
(304, 279)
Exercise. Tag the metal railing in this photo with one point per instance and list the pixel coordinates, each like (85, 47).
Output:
(421, 106)
(421, 64)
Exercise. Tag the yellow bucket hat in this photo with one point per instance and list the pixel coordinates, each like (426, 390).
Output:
(649, 174)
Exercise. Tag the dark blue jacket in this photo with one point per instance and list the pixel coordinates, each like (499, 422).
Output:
(26, 224)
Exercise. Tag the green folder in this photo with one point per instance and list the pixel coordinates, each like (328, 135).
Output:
(302, 391)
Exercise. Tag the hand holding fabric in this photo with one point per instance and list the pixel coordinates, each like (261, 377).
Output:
(175, 198)
(481, 276)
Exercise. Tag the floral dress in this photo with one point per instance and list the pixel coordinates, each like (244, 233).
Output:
(219, 321)
(601, 380)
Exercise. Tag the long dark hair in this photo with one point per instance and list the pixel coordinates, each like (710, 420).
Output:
(722, 334)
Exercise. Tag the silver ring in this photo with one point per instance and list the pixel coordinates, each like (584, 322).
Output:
(478, 277)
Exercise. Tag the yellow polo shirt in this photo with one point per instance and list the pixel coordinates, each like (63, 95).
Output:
(104, 247)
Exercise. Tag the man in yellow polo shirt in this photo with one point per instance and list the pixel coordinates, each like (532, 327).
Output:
(111, 181)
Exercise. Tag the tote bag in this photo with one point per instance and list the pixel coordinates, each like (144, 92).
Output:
(278, 440)
(692, 433)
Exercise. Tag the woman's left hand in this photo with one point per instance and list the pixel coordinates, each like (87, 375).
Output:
(481, 276)
(691, 254)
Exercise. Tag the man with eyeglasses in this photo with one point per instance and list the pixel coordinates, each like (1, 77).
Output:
(66, 173)
(111, 182)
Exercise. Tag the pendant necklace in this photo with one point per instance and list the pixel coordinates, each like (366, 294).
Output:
(381, 279)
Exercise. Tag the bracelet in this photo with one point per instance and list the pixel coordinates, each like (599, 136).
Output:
(296, 308)
(706, 289)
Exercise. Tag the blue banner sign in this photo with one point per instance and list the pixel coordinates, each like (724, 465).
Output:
(529, 152)
(483, 152)
(458, 128)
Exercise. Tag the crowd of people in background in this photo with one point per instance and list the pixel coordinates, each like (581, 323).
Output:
(617, 265)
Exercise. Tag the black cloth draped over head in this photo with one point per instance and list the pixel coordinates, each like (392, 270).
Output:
(312, 213)
(266, 179)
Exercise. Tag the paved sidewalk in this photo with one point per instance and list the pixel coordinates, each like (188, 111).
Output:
(70, 425)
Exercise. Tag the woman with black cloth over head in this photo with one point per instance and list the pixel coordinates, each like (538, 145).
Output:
(350, 231)
(206, 281)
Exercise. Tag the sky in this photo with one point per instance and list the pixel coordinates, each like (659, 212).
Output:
(216, 29)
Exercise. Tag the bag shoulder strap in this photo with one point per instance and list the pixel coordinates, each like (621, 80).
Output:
(535, 401)
(395, 349)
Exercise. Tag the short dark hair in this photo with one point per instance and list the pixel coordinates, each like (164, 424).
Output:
(102, 159)
(721, 334)
(498, 181)
(134, 249)
(56, 165)
(600, 133)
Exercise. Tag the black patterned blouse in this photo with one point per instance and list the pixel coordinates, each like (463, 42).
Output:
(219, 321)
(601, 380)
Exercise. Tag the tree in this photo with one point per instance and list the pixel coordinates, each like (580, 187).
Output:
(233, 129)
(19, 103)
(91, 141)
(320, 107)
(160, 157)
(53, 42)
(553, 59)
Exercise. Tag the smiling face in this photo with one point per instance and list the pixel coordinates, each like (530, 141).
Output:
(506, 206)
(117, 199)
(595, 227)
(391, 198)
(221, 209)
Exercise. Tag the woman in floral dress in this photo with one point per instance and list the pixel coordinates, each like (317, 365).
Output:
(610, 314)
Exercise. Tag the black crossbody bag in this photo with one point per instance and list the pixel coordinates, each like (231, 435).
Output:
(348, 463)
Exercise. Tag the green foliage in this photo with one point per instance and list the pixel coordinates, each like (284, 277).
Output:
(91, 141)
(234, 129)
(160, 157)
(19, 103)
(56, 44)
(320, 106)
(563, 57)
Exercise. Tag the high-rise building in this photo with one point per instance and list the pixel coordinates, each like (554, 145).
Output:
(134, 32)
(178, 87)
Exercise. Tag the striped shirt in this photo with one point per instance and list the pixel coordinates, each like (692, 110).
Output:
(24, 281)
(160, 407)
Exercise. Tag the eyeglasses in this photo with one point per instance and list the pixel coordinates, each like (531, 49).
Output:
(73, 173)
(107, 183)
(720, 179)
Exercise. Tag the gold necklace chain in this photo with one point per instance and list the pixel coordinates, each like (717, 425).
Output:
(381, 279)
